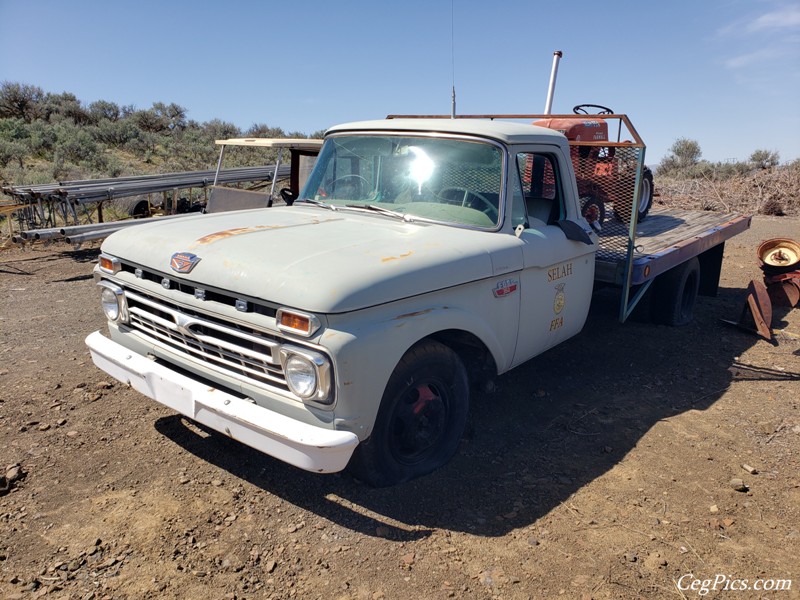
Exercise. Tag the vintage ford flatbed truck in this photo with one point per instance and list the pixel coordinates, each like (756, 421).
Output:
(422, 258)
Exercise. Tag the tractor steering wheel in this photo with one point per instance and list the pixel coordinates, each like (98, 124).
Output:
(581, 109)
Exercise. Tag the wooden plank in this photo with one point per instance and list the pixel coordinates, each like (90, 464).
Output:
(666, 238)
(670, 227)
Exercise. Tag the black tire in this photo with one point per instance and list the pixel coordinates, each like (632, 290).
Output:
(675, 294)
(421, 419)
(645, 194)
(134, 207)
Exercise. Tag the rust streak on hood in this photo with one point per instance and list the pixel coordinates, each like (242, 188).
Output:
(404, 255)
(221, 235)
(229, 233)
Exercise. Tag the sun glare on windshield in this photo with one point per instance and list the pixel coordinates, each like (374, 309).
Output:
(452, 181)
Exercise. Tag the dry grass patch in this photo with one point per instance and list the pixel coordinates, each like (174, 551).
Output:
(773, 192)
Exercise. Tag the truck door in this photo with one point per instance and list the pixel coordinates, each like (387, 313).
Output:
(558, 274)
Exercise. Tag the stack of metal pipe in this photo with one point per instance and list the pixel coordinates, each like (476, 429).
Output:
(98, 190)
(68, 194)
(77, 234)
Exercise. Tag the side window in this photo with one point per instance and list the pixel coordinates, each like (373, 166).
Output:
(539, 179)
(519, 215)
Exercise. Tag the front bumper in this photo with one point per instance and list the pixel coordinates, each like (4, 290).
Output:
(300, 444)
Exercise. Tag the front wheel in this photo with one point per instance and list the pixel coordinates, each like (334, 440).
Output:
(421, 418)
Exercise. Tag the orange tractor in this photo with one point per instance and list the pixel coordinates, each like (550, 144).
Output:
(605, 170)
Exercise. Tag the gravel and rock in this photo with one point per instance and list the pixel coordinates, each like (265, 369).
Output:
(602, 469)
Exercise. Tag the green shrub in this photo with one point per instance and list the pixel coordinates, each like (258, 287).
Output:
(11, 150)
(765, 159)
(20, 101)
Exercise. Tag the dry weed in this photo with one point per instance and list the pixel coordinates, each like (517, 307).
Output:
(766, 192)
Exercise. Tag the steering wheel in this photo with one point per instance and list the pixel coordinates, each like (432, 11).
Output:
(467, 196)
(363, 185)
(581, 109)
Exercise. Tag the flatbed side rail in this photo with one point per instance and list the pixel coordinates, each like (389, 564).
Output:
(666, 239)
(647, 266)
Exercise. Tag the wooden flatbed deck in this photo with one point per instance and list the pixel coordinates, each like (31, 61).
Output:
(665, 239)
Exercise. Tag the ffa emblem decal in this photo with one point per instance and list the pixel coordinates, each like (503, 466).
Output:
(560, 300)
(183, 262)
(505, 287)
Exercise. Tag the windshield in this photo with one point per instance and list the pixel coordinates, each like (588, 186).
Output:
(448, 180)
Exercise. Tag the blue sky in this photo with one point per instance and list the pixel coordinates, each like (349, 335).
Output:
(723, 72)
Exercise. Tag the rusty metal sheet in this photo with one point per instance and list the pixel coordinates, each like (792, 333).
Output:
(785, 293)
(760, 306)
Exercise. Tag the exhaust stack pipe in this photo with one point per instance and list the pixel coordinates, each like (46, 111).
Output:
(548, 105)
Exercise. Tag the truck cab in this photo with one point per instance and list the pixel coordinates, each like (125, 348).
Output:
(510, 180)
(421, 258)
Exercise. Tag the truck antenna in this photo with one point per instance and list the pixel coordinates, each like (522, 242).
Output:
(452, 59)
(548, 105)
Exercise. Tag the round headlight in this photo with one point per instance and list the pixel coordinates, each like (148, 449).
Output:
(112, 299)
(110, 302)
(301, 375)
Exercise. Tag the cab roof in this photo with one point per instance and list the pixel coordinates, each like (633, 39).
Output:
(295, 143)
(508, 132)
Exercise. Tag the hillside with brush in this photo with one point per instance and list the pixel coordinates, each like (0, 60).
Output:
(47, 137)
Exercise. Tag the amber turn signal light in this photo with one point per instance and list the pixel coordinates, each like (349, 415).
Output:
(297, 322)
(109, 264)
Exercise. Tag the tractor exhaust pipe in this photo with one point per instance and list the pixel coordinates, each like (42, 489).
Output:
(548, 105)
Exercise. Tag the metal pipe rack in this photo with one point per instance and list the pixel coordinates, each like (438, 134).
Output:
(42, 206)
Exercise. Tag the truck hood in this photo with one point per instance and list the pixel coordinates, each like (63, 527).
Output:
(315, 259)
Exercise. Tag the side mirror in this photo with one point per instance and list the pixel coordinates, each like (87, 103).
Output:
(575, 232)
(288, 196)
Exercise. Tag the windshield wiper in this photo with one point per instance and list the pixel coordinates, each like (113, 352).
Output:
(382, 210)
(315, 203)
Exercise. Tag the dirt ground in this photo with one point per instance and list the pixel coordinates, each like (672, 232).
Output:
(601, 469)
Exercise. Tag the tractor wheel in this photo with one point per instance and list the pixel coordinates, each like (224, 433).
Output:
(645, 201)
(421, 419)
(645, 194)
(594, 211)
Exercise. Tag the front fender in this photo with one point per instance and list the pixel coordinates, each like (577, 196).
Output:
(367, 346)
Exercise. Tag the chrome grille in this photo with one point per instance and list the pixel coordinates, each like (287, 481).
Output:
(227, 348)
(191, 289)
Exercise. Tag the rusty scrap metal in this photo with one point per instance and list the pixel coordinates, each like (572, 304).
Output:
(779, 260)
(784, 289)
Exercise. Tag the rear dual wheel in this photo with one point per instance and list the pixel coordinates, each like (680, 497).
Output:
(421, 419)
(675, 293)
